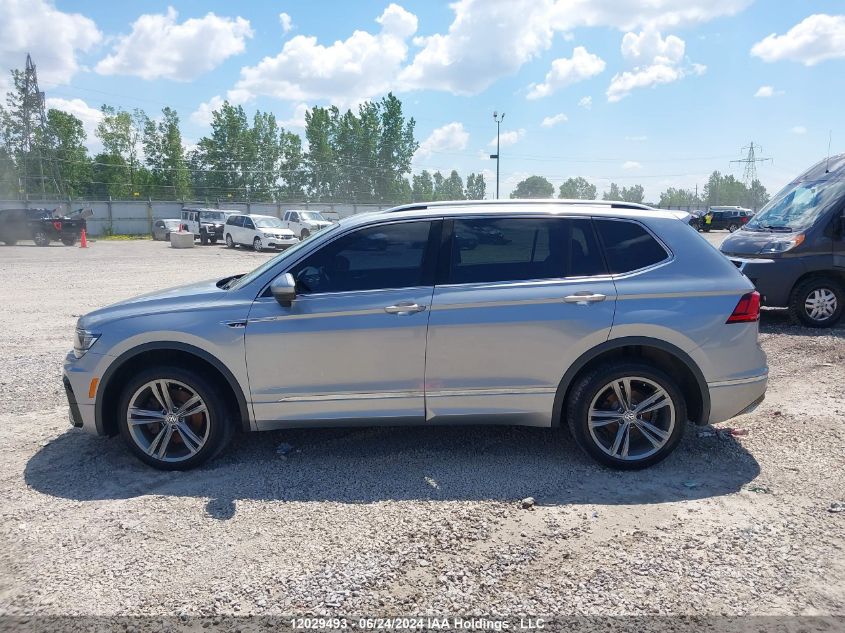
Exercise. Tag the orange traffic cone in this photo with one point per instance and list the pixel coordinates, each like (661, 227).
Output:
(83, 243)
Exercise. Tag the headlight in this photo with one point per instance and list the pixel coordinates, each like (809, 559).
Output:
(268, 235)
(783, 245)
(82, 342)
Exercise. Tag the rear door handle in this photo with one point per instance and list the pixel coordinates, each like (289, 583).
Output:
(404, 307)
(584, 298)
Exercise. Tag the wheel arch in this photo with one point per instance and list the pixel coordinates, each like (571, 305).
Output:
(170, 353)
(663, 355)
(838, 275)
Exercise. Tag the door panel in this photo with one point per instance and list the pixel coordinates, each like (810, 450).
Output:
(498, 347)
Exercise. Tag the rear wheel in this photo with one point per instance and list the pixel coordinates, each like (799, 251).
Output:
(627, 416)
(257, 245)
(229, 241)
(173, 419)
(818, 302)
(69, 240)
(41, 238)
(733, 227)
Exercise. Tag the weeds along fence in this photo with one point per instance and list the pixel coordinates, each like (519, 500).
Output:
(136, 217)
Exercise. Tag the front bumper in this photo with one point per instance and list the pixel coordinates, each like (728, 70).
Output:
(730, 398)
(280, 242)
(77, 374)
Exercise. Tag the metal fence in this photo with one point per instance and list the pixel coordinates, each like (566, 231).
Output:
(136, 217)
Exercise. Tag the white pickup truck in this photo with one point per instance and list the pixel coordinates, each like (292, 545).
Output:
(304, 223)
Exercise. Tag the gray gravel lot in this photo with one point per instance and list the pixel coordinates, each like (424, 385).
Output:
(390, 521)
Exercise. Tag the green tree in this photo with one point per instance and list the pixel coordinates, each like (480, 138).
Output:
(534, 187)
(577, 189)
(614, 193)
(165, 157)
(120, 133)
(320, 160)
(221, 162)
(451, 188)
(476, 187)
(423, 187)
(673, 197)
(634, 193)
(758, 197)
(294, 176)
(66, 137)
(396, 149)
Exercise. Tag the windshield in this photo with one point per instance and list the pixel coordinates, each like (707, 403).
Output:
(268, 223)
(240, 282)
(312, 215)
(212, 215)
(797, 206)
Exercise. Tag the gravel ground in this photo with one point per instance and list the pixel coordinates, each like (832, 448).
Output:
(378, 521)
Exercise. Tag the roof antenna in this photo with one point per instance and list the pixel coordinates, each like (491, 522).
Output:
(829, 139)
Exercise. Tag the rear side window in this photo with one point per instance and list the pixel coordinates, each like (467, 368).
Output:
(628, 246)
(518, 249)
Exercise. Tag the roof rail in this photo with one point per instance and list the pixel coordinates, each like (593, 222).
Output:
(613, 204)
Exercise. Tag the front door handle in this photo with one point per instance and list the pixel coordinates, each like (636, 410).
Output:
(404, 307)
(584, 298)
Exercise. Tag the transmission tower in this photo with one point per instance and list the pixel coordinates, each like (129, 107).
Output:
(750, 161)
(34, 146)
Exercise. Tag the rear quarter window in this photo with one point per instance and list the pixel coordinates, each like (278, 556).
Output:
(628, 246)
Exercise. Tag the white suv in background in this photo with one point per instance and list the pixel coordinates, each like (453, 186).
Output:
(304, 223)
(258, 231)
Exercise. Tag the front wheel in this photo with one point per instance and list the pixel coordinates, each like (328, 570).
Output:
(305, 234)
(627, 416)
(41, 238)
(203, 238)
(213, 239)
(818, 302)
(69, 240)
(173, 418)
(257, 245)
(230, 243)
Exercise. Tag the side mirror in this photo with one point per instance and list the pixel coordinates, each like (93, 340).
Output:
(283, 289)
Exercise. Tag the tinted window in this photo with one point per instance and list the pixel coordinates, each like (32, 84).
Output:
(513, 249)
(294, 217)
(248, 223)
(389, 256)
(628, 246)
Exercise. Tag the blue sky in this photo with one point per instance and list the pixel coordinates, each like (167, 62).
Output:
(658, 93)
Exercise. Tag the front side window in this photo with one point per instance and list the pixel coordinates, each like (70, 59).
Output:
(378, 257)
(248, 223)
(628, 246)
(518, 249)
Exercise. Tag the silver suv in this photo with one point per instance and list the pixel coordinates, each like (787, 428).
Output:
(616, 319)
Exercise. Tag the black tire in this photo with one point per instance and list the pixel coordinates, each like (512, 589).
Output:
(213, 239)
(167, 237)
(304, 234)
(69, 240)
(733, 227)
(203, 238)
(41, 238)
(804, 293)
(220, 427)
(230, 243)
(257, 246)
(669, 420)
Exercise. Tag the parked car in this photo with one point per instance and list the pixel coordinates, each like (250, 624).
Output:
(40, 226)
(304, 223)
(258, 231)
(163, 228)
(793, 250)
(725, 218)
(206, 224)
(617, 320)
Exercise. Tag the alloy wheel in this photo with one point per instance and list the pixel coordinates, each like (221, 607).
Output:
(631, 418)
(256, 244)
(229, 241)
(168, 420)
(820, 304)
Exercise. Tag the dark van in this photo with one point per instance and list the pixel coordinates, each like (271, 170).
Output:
(793, 250)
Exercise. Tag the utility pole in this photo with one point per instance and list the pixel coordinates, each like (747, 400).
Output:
(34, 134)
(498, 120)
(749, 175)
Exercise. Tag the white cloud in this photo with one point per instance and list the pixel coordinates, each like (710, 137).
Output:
(764, 92)
(655, 61)
(52, 37)
(511, 137)
(89, 116)
(159, 46)
(489, 39)
(567, 71)
(297, 121)
(628, 165)
(202, 115)
(450, 137)
(799, 129)
(586, 102)
(346, 72)
(286, 22)
(815, 39)
(551, 121)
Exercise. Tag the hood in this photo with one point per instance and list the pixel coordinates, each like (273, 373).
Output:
(192, 296)
(745, 243)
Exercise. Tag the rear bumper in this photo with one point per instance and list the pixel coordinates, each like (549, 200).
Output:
(773, 278)
(730, 398)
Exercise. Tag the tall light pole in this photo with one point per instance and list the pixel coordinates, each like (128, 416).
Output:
(498, 120)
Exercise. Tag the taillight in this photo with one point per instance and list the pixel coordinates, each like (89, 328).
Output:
(747, 310)
(57, 225)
